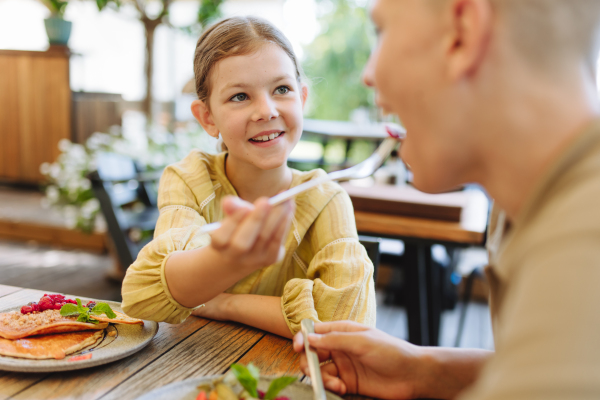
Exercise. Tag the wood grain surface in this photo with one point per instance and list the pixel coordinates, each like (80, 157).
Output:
(196, 348)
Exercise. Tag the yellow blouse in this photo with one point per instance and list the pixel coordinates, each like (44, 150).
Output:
(325, 274)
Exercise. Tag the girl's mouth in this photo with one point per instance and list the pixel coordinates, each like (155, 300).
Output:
(266, 138)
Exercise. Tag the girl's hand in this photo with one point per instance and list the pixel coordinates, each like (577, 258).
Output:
(252, 235)
(216, 309)
(364, 361)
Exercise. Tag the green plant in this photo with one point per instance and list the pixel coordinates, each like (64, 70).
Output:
(57, 7)
(335, 60)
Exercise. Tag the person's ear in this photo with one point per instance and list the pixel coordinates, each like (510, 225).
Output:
(204, 117)
(303, 94)
(471, 26)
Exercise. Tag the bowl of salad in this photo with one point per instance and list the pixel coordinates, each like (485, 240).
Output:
(240, 383)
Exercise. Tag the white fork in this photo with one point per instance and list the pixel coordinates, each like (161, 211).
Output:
(361, 170)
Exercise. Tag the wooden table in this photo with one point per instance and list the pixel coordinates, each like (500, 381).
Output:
(423, 279)
(196, 348)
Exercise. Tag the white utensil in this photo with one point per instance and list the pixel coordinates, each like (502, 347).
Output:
(308, 327)
(361, 170)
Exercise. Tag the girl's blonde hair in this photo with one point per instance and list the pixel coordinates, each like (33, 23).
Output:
(236, 36)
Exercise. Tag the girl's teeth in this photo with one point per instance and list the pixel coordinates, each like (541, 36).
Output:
(266, 138)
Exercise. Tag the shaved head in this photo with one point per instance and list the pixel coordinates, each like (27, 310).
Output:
(549, 33)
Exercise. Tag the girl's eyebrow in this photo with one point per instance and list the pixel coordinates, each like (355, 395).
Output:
(245, 85)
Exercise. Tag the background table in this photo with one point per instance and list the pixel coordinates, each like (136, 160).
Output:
(423, 279)
(196, 348)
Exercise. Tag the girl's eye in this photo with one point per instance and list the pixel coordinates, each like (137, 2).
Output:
(282, 90)
(239, 97)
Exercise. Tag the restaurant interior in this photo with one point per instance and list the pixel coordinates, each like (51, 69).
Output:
(94, 104)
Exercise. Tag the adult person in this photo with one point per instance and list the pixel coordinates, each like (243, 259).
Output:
(502, 93)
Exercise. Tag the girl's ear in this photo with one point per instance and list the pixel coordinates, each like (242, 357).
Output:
(203, 116)
(304, 93)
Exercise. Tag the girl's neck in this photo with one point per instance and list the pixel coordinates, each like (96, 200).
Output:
(251, 182)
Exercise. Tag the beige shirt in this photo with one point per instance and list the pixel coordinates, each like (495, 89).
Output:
(325, 274)
(544, 276)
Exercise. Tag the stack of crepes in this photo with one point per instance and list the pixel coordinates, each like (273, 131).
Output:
(48, 334)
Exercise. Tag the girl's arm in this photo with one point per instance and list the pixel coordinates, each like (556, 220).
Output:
(250, 238)
(262, 312)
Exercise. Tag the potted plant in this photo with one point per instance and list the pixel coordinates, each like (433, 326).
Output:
(57, 28)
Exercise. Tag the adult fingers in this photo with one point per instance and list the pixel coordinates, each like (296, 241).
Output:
(346, 342)
(340, 326)
(330, 375)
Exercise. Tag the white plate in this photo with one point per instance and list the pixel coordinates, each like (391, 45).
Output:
(188, 390)
(129, 339)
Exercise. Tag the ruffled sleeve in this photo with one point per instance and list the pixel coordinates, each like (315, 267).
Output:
(145, 291)
(339, 276)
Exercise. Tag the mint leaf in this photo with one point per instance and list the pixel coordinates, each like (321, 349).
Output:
(278, 385)
(83, 313)
(246, 379)
(253, 371)
(82, 318)
(68, 310)
(103, 308)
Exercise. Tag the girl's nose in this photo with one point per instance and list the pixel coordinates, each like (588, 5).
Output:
(265, 110)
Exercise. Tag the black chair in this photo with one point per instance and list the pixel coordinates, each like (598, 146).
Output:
(128, 202)
(372, 246)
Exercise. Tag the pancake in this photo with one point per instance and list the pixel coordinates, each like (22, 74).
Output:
(14, 325)
(119, 319)
(49, 346)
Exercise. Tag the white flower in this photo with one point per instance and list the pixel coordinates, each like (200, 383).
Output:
(64, 145)
(89, 208)
(54, 170)
(85, 184)
(77, 153)
(70, 213)
(52, 193)
(45, 168)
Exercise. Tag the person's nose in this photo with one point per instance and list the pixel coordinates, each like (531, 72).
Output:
(368, 73)
(265, 109)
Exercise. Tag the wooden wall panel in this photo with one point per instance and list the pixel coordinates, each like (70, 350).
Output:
(35, 111)
(9, 120)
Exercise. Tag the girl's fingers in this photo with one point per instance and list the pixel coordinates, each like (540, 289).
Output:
(270, 245)
(276, 218)
(245, 236)
(231, 204)
(222, 236)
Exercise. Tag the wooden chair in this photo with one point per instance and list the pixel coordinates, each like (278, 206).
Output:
(128, 202)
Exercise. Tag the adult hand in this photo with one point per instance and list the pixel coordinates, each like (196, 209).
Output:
(366, 361)
(252, 235)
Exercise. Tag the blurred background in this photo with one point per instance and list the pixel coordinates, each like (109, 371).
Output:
(95, 101)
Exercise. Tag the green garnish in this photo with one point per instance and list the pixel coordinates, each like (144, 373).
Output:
(277, 385)
(83, 312)
(248, 377)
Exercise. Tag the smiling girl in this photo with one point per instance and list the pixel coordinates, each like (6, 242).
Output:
(268, 267)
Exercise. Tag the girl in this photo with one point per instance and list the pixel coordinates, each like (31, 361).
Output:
(265, 267)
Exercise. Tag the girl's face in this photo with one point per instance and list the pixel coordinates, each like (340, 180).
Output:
(256, 105)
